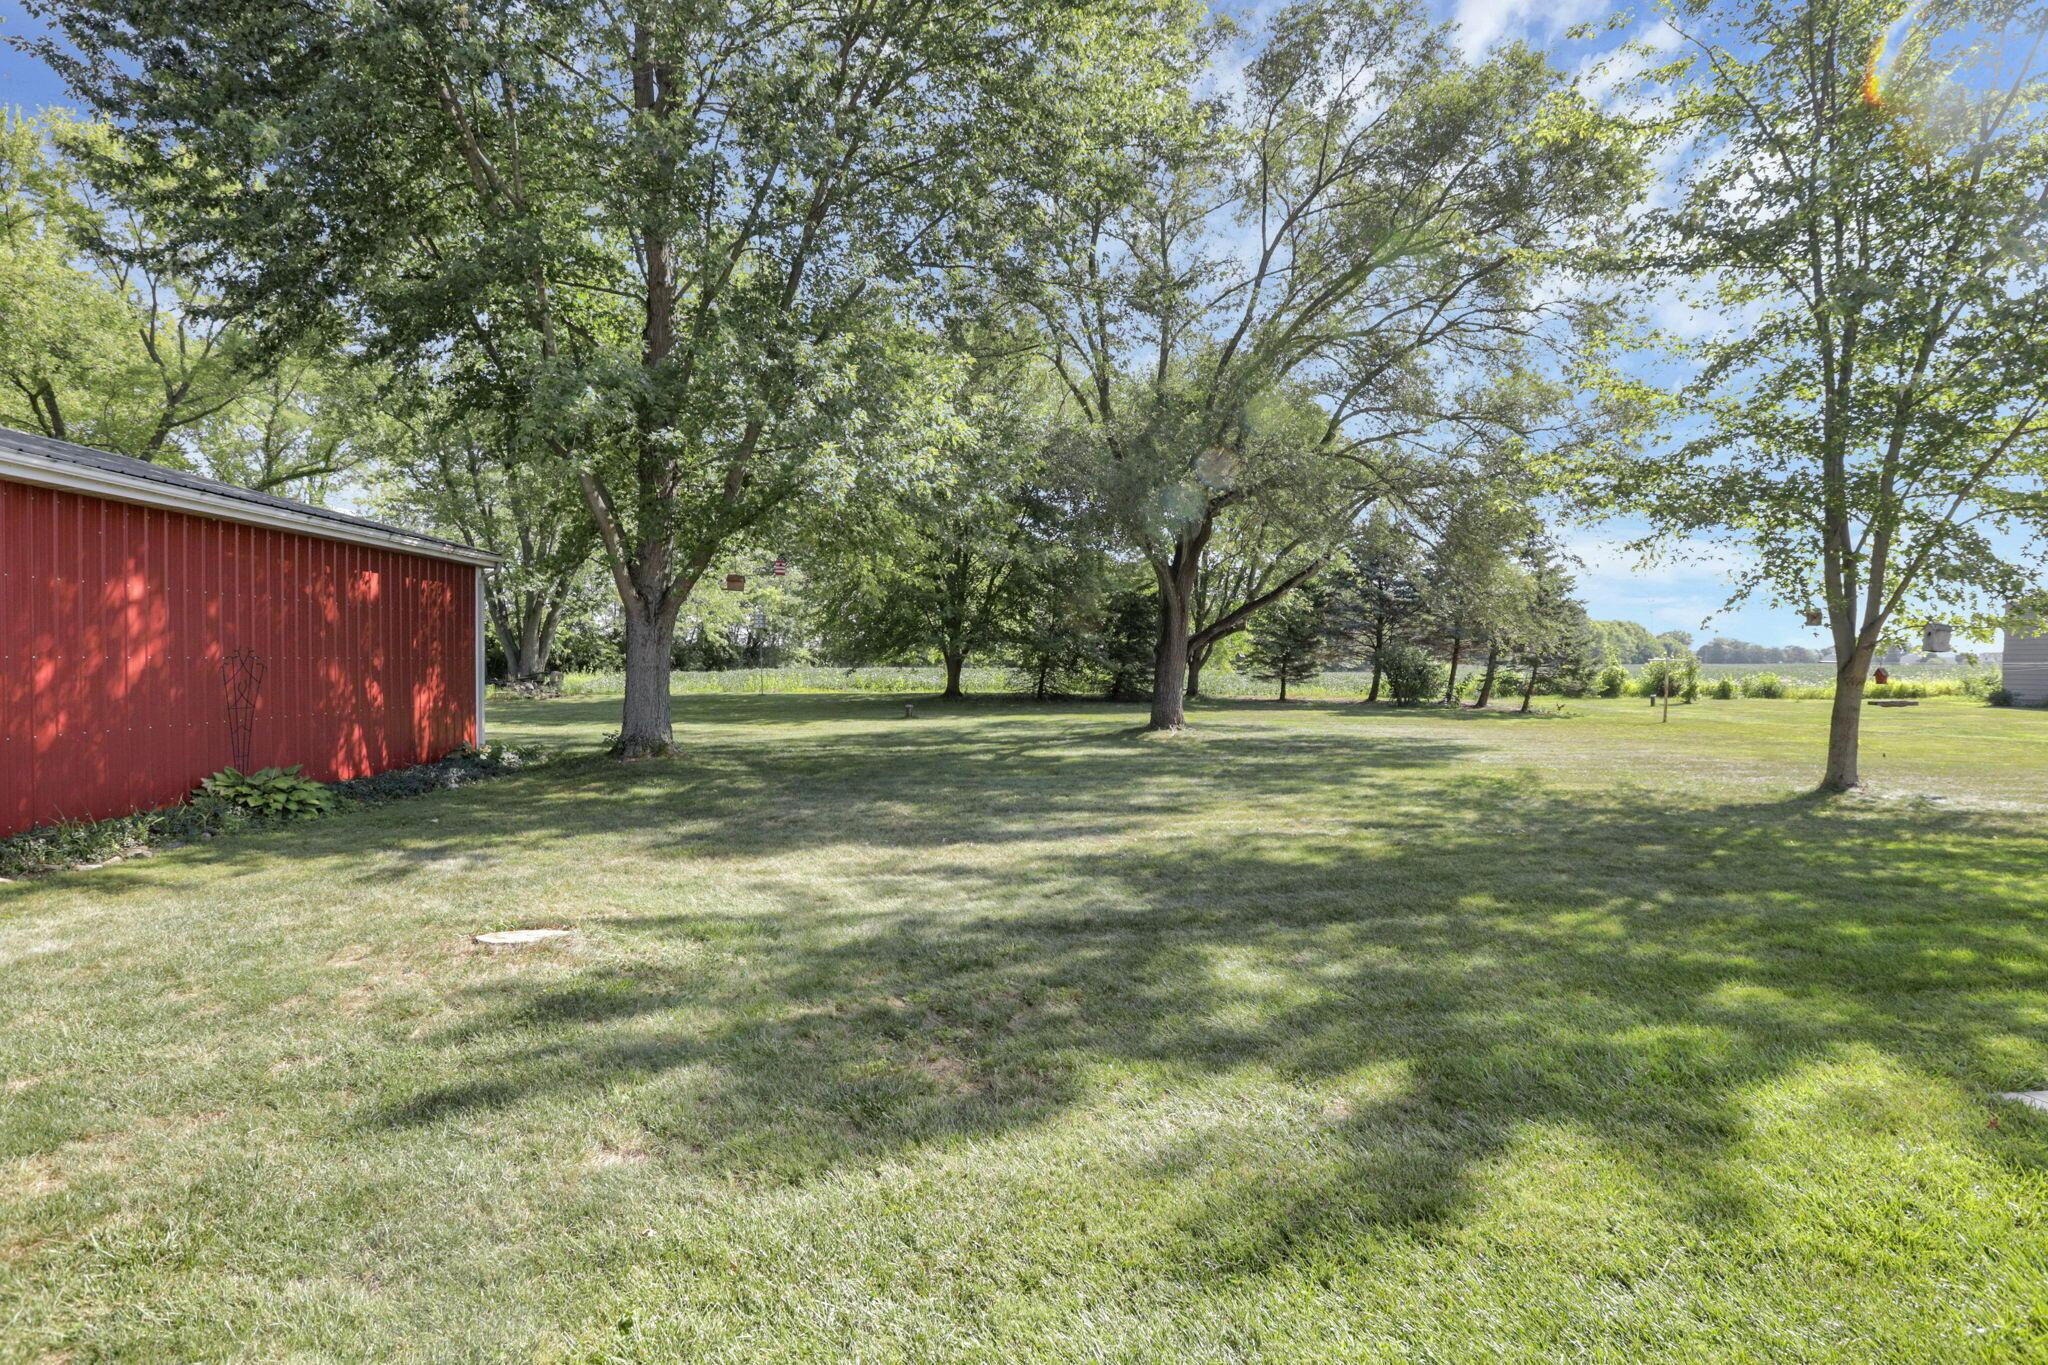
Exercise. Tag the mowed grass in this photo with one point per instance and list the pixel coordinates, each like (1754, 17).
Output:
(1009, 1034)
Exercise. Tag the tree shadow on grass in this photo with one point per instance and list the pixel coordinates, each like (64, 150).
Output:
(1037, 909)
(904, 788)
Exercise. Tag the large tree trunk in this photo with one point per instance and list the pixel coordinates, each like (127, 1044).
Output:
(1198, 654)
(954, 663)
(1379, 642)
(1451, 687)
(1845, 722)
(1486, 683)
(544, 652)
(1170, 654)
(525, 625)
(1529, 688)
(1170, 666)
(644, 727)
(501, 630)
(528, 663)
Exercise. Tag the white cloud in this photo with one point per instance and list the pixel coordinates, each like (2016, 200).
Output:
(1482, 23)
(1686, 587)
(1608, 77)
(1687, 314)
(1611, 561)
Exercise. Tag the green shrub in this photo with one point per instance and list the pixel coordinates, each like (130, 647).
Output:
(1410, 675)
(2000, 696)
(272, 794)
(1724, 689)
(1612, 681)
(1685, 679)
(1764, 686)
(1982, 682)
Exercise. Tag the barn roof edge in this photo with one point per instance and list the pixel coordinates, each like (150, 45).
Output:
(42, 460)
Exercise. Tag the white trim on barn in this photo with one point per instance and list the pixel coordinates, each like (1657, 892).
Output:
(479, 658)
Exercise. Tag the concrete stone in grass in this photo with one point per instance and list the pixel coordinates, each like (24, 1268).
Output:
(519, 938)
(2037, 1098)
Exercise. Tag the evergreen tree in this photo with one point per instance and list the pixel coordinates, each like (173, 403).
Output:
(1472, 584)
(1289, 640)
(1122, 650)
(1549, 631)
(1374, 592)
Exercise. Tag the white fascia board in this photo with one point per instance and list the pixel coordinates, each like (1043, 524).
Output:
(479, 597)
(22, 467)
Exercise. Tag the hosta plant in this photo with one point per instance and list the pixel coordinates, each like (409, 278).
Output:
(272, 793)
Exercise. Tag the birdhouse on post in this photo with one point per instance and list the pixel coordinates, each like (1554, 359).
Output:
(1934, 638)
(735, 582)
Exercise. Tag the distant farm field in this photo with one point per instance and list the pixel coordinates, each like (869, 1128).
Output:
(1819, 673)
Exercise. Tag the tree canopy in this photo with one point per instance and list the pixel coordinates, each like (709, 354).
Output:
(700, 237)
(1285, 299)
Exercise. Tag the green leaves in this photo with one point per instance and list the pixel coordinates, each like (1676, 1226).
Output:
(103, 338)
(688, 238)
(272, 793)
(1290, 640)
(1869, 418)
(1341, 271)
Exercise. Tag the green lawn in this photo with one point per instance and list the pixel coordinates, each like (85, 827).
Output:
(1008, 1034)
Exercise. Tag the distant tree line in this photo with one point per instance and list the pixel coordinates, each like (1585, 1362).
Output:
(1722, 650)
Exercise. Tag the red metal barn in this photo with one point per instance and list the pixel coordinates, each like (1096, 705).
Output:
(156, 627)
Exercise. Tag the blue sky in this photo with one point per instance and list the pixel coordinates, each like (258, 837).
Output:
(24, 82)
(1680, 592)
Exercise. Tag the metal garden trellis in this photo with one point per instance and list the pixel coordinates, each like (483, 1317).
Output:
(241, 675)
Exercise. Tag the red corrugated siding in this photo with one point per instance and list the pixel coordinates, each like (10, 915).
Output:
(115, 620)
